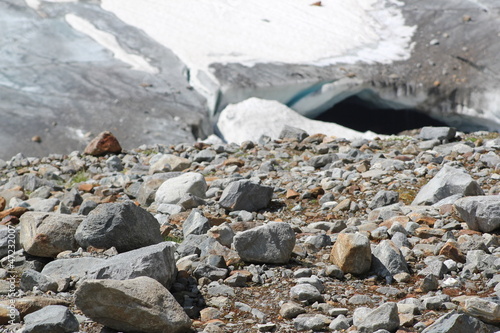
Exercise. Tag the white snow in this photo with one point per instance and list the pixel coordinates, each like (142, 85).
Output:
(203, 32)
(109, 41)
(254, 117)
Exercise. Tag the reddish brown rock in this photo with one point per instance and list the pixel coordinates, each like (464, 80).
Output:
(234, 161)
(451, 251)
(29, 304)
(3, 203)
(104, 143)
(16, 211)
(292, 194)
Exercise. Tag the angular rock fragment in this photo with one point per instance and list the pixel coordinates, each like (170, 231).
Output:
(384, 317)
(481, 213)
(137, 305)
(245, 195)
(352, 253)
(48, 234)
(271, 243)
(122, 225)
(447, 182)
(102, 144)
(387, 259)
(440, 133)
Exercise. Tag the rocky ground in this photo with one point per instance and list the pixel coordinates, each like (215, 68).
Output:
(305, 233)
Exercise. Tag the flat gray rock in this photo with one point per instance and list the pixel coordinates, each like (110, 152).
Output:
(122, 225)
(383, 317)
(137, 305)
(154, 261)
(52, 318)
(271, 243)
(245, 195)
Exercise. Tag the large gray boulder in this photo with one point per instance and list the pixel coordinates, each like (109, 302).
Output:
(174, 189)
(122, 225)
(481, 213)
(154, 261)
(384, 317)
(48, 234)
(440, 133)
(447, 182)
(245, 195)
(137, 305)
(52, 318)
(272, 243)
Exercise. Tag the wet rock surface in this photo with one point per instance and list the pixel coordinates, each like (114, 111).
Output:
(318, 256)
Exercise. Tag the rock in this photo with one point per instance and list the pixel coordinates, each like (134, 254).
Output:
(339, 323)
(71, 268)
(289, 132)
(307, 322)
(306, 293)
(313, 281)
(272, 243)
(352, 253)
(72, 198)
(447, 182)
(154, 261)
(484, 309)
(435, 302)
(211, 272)
(48, 234)
(147, 191)
(122, 225)
(52, 318)
(387, 259)
(102, 144)
(454, 322)
(216, 289)
(86, 207)
(171, 162)
(429, 283)
(383, 317)
(174, 189)
(322, 160)
(290, 310)
(440, 133)
(384, 198)
(481, 213)
(31, 278)
(434, 267)
(140, 304)
(222, 233)
(29, 304)
(245, 195)
(196, 224)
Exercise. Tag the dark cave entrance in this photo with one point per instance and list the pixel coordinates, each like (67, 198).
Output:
(360, 115)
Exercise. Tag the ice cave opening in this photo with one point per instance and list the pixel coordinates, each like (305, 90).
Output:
(361, 115)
